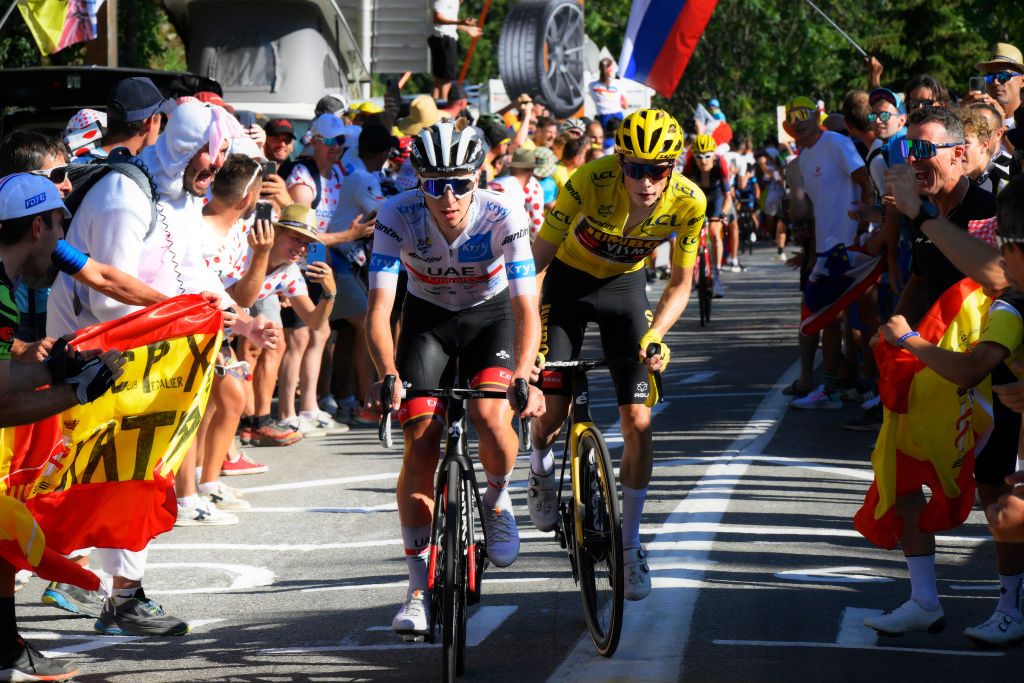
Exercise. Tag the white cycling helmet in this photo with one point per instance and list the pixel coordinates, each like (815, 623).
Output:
(441, 148)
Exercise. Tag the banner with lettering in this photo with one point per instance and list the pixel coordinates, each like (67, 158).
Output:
(102, 474)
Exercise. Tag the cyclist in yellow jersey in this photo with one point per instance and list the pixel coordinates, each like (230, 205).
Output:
(611, 215)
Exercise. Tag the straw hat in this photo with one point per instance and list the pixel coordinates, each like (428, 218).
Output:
(422, 114)
(300, 219)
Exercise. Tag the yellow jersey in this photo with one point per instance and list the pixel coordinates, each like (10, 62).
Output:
(588, 220)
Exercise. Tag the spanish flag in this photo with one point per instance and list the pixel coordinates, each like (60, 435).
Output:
(930, 427)
(102, 474)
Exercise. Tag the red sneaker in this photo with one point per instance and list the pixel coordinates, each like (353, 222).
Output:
(272, 435)
(245, 435)
(365, 416)
(244, 465)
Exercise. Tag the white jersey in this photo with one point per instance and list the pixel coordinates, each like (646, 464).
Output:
(491, 254)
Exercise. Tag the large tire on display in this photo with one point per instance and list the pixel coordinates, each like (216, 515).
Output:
(540, 52)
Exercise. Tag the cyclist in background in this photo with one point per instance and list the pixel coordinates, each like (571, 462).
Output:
(710, 171)
(471, 301)
(611, 215)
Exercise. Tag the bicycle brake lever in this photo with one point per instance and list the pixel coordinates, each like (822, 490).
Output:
(387, 392)
(522, 392)
(654, 349)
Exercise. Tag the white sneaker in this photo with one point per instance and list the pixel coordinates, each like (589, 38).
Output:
(637, 573)
(308, 428)
(502, 536)
(909, 616)
(204, 514)
(543, 500)
(782, 256)
(1000, 629)
(225, 498)
(819, 399)
(413, 617)
(326, 421)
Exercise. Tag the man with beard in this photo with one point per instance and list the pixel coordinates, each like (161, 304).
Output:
(1004, 77)
(112, 224)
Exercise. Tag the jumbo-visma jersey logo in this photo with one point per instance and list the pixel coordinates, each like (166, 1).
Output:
(614, 247)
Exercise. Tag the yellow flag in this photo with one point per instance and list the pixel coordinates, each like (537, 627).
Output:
(45, 19)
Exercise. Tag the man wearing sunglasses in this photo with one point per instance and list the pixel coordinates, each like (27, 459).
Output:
(471, 303)
(888, 118)
(1004, 76)
(611, 215)
(947, 217)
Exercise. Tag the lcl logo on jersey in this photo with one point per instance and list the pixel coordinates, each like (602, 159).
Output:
(602, 179)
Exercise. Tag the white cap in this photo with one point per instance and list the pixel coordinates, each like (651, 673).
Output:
(26, 194)
(328, 126)
(247, 146)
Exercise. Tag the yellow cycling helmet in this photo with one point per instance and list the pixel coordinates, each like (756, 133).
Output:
(703, 144)
(649, 135)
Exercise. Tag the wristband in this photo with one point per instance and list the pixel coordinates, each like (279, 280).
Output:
(329, 296)
(907, 336)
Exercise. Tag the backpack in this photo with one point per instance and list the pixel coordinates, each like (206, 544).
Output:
(84, 176)
(287, 167)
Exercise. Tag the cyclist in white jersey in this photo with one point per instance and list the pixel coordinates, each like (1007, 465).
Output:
(471, 307)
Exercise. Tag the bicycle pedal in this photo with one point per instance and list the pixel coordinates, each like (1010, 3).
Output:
(413, 637)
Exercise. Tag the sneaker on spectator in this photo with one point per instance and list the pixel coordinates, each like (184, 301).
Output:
(224, 498)
(326, 421)
(243, 465)
(871, 399)
(21, 578)
(25, 663)
(819, 399)
(365, 416)
(272, 435)
(869, 421)
(245, 435)
(204, 514)
(328, 404)
(308, 428)
(138, 616)
(72, 599)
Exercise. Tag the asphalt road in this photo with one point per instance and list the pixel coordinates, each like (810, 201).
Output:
(758, 573)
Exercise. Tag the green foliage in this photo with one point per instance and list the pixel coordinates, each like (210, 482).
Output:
(145, 39)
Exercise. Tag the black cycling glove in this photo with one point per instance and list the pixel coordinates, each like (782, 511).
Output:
(93, 381)
(63, 364)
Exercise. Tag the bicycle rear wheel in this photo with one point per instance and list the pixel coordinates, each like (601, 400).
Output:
(453, 590)
(599, 551)
(704, 292)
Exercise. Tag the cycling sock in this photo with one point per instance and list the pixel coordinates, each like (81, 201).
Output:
(923, 590)
(1011, 591)
(496, 494)
(416, 540)
(189, 501)
(542, 461)
(632, 509)
(830, 380)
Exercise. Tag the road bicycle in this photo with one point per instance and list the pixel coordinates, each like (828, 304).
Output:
(589, 527)
(458, 548)
(702, 277)
(748, 229)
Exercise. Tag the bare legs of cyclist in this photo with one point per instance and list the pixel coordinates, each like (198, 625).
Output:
(715, 244)
(498, 445)
(780, 237)
(634, 478)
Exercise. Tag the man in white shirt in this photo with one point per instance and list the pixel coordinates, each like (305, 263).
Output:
(444, 44)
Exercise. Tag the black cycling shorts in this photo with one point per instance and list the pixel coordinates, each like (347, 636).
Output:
(619, 306)
(444, 57)
(434, 343)
(999, 456)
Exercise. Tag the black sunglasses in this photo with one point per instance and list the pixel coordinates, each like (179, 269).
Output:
(638, 171)
(57, 174)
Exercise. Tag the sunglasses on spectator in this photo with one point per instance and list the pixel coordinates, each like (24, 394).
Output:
(57, 174)
(795, 115)
(917, 104)
(706, 156)
(330, 142)
(436, 187)
(923, 149)
(638, 171)
(1003, 241)
(1000, 77)
(883, 116)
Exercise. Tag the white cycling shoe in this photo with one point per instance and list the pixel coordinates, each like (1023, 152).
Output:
(502, 536)
(542, 500)
(1000, 629)
(909, 616)
(413, 618)
(637, 573)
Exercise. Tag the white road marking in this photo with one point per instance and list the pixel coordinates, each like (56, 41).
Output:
(852, 630)
(987, 587)
(387, 507)
(403, 584)
(88, 644)
(247, 576)
(321, 482)
(481, 624)
(656, 654)
(832, 575)
(844, 646)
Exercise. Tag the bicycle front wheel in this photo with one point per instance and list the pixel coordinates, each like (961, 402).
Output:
(599, 550)
(704, 292)
(453, 601)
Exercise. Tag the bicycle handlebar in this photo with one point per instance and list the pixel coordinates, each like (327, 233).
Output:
(586, 365)
(387, 393)
(654, 349)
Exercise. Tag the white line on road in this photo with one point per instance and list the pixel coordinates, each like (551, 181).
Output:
(832, 575)
(404, 583)
(844, 646)
(321, 482)
(246, 576)
(656, 654)
(852, 630)
(386, 507)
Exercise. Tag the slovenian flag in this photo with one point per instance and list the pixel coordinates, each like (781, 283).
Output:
(660, 39)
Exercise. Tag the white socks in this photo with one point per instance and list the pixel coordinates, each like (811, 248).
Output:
(542, 461)
(496, 494)
(632, 509)
(1011, 590)
(208, 488)
(416, 540)
(189, 501)
(922, 580)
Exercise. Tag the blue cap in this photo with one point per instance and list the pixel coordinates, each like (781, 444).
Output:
(134, 99)
(889, 96)
(714, 103)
